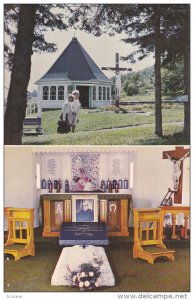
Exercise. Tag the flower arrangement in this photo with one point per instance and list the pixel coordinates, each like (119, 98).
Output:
(86, 277)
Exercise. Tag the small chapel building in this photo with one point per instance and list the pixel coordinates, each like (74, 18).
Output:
(74, 69)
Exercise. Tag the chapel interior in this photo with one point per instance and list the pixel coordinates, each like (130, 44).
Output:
(128, 207)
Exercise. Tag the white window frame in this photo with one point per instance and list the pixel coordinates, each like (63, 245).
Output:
(63, 92)
(51, 95)
(48, 92)
(100, 93)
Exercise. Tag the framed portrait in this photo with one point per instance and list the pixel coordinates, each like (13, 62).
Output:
(84, 208)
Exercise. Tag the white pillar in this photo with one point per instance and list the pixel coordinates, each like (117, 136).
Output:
(39, 101)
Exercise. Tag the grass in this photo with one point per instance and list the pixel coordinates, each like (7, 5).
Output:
(139, 98)
(146, 96)
(131, 125)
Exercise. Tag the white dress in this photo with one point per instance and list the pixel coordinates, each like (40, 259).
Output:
(66, 109)
(75, 107)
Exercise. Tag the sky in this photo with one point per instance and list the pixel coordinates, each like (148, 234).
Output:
(101, 49)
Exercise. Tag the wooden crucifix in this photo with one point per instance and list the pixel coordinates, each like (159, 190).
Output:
(117, 70)
(177, 157)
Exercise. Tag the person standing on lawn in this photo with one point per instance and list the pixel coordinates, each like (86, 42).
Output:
(75, 107)
(67, 110)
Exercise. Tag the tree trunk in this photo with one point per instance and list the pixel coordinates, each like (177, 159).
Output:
(17, 95)
(158, 103)
(187, 80)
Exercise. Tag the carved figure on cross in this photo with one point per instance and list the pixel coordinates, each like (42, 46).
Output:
(117, 70)
(177, 169)
(177, 157)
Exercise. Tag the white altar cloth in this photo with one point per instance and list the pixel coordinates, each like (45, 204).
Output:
(76, 255)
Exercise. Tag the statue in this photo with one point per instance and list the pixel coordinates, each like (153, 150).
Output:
(176, 168)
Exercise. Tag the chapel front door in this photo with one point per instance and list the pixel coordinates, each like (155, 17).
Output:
(84, 95)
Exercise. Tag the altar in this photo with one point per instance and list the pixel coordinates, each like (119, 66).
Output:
(111, 208)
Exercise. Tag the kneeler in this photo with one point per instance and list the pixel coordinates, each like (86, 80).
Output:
(148, 232)
(20, 241)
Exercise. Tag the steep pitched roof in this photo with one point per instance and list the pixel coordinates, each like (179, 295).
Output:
(75, 64)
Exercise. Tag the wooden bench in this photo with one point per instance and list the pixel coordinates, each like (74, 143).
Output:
(20, 241)
(148, 228)
(32, 125)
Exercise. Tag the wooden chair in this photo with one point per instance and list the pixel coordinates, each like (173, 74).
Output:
(20, 241)
(148, 231)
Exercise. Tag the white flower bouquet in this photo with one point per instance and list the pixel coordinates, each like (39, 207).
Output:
(86, 277)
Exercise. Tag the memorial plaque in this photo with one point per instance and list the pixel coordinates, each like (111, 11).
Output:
(83, 233)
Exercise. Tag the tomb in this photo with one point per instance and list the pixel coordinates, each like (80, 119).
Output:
(88, 254)
(83, 233)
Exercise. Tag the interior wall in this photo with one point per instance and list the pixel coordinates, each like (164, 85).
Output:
(186, 182)
(154, 175)
(111, 166)
(18, 173)
(18, 178)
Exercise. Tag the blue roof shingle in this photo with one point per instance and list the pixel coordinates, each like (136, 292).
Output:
(75, 64)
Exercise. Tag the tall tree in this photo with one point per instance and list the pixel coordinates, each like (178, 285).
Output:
(170, 37)
(32, 21)
(154, 28)
(158, 99)
(16, 101)
(147, 29)
(177, 29)
(187, 77)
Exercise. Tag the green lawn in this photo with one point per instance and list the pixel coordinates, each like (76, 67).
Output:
(149, 96)
(100, 127)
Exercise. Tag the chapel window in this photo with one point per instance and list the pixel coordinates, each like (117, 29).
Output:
(45, 92)
(60, 92)
(53, 93)
(108, 93)
(100, 93)
(104, 93)
(94, 93)
(70, 89)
